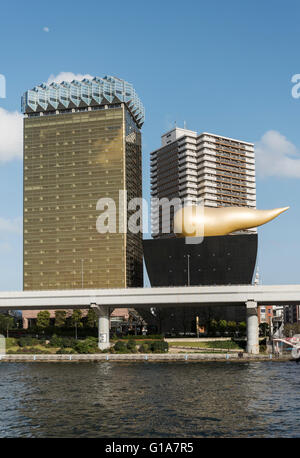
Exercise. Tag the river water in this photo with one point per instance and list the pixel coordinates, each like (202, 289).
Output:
(109, 400)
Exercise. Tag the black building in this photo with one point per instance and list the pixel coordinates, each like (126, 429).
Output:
(221, 260)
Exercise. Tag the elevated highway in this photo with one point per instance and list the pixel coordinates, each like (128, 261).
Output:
(102, 300)
(149, 297)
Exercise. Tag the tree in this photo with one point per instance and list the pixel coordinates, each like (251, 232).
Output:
(264, 329)
(291, 328)
(232, 327)
(91, 319)
(76, 320)
(60, 318)
(43, 319)
(222, 325)
(213, 326)
(6, 323)
(242, 327)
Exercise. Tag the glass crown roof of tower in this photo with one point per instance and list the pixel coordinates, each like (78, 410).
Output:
(84, 93)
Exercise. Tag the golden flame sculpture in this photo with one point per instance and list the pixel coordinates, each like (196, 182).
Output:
(200, 221)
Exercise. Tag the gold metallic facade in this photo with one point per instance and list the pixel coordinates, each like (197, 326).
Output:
(71, 160)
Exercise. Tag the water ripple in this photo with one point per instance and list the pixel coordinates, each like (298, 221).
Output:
(149, 400)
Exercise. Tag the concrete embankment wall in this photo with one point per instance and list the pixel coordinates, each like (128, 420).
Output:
(142, 357)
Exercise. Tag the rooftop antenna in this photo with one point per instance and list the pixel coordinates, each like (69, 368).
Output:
(184, 124)
(174, 123)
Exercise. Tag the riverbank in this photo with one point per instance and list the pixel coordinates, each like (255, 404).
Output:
(161, 357)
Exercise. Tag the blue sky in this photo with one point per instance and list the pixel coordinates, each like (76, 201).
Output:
(223, 67)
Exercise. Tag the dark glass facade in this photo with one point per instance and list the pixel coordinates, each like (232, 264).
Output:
(221, 260)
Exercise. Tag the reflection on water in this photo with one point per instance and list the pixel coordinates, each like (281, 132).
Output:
(149, 399)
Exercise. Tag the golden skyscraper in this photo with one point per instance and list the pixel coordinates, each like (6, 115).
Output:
(82, 142)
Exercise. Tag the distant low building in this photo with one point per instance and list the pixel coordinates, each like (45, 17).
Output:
(121, 319)
(265, 314)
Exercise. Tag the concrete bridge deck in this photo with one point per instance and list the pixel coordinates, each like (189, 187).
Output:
(149, 297)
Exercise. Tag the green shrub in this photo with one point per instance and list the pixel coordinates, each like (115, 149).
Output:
(131, 345)
(11, 342)
(27, 341)
(93, 340)
(62, 342)
(144, 348)
(123, 351)
(120, 347)
(86, 346)
(160, 346)
(56, 341)
(69, 342)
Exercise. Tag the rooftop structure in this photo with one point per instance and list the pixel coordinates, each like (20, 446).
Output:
(88, 93)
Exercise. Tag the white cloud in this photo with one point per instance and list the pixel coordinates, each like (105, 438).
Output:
(67, 76)
(11, 135)
(277, 156)
(13, 226)
(46, 29)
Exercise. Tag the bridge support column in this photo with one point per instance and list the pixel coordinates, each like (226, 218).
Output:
(103, 325)
(252, 328)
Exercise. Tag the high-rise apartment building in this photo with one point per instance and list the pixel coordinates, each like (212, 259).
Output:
(217, 169)
(82, 142)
